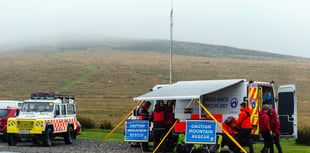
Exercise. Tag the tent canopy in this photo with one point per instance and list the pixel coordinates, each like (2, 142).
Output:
(188, 89)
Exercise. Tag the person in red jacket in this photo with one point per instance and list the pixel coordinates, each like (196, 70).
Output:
(228, 127)
(144, 115)
(264, 128)
(245, 124)
(158, 118)
(275, 128)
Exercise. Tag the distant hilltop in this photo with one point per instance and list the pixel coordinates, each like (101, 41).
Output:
(162, 46)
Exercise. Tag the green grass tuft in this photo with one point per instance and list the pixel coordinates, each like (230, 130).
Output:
(303, 136)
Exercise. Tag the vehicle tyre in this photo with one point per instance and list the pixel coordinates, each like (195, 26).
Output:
(12, 140)
(69, 135)
(47, 138)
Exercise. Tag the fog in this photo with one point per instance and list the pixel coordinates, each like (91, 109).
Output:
(275, 26)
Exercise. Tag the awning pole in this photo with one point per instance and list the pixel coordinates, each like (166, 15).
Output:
(172, 127)
(118, 124)
(222, 127)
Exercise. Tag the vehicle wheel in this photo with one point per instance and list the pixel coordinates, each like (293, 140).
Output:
(12, 140)
(47, 138)
(69, 135)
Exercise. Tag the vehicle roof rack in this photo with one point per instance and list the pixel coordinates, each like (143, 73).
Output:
(66, 98)
(43, 95)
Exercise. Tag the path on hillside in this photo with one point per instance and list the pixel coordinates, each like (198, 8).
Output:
(90, 70)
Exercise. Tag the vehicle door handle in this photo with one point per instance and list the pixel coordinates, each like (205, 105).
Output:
(291, 119)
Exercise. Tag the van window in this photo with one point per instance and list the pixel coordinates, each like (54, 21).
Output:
(57, 112)
(268, 97)
(150, 110)
(63, 110)
(4, 113)
(70, 109)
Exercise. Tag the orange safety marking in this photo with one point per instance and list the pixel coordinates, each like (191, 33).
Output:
(253, 94)
(61, 124)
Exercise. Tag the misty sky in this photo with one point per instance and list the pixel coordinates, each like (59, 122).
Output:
(279, 26)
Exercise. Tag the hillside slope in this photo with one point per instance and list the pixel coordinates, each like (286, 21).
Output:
(106, 78)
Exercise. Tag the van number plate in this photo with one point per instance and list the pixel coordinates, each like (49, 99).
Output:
(23, 132)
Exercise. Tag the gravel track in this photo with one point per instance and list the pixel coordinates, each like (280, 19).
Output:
(78, 146)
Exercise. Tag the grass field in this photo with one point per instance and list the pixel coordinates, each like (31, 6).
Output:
(288, 145)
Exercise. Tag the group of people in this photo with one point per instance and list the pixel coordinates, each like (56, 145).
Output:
(269, 126)
(162, 119)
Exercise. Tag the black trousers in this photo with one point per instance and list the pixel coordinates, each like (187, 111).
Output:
(158, 134)
(276, 141)
(267, 140)
(245, 139)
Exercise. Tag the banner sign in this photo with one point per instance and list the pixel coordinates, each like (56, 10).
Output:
(137, 130)
(200, 132)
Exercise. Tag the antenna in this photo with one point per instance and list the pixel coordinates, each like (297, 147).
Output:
(171, 32)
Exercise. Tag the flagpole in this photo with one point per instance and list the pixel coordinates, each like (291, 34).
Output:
(171, 32)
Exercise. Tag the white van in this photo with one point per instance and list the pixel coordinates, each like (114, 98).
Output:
(10, 103)
(222, 99)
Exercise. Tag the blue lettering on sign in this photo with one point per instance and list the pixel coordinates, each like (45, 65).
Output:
(234, 102)
(200, 131)
(217, 99)
(253, 103)
(137, 130)
(222, 99)
(212, 105)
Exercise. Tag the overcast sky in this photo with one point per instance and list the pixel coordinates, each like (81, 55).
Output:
(279, 26)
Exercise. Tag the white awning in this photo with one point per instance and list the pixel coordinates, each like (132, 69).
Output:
(188, 89)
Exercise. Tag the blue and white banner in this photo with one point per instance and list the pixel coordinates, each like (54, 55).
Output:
(137, 130)
(200, 132)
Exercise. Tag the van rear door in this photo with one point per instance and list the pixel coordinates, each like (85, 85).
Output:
(287, 111)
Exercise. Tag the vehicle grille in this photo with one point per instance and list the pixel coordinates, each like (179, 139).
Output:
(25, 125)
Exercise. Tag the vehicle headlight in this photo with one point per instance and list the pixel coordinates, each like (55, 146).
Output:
(13, 123)
(38, 124)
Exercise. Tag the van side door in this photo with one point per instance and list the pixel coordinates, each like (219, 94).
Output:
(287, 111)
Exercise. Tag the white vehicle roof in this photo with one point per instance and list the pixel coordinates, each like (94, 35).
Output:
(43, 100)
(160, 86)
(188, 89)
(10, 103)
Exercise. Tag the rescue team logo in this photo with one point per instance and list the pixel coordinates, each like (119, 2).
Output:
(253, 103)
(234, 102)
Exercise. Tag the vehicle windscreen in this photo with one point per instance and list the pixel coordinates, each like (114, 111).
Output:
(4, 113)
(37, 107)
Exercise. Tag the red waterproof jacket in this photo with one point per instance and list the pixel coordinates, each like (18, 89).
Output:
(158, 115)
(264, 121)
(169, 120)
(244, 120)
(274, 122)
(144, 114)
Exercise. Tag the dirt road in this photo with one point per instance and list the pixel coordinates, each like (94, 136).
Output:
(78, 146)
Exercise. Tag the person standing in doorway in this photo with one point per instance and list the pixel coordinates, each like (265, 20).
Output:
(244, 121)
(275, 128)
(158, 119)
(264, 128)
